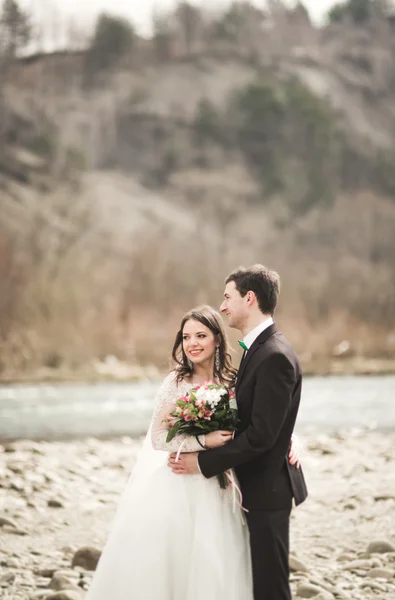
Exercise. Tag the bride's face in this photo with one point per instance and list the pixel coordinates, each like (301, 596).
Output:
(198, 342)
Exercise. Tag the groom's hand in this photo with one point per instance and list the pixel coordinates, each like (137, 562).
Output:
(187, 464)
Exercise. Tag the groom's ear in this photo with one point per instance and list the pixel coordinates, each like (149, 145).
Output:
(250, 297)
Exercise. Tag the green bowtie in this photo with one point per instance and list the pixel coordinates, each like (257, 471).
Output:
(242, 344)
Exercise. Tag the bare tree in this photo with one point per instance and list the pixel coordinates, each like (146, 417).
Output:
(190, 24)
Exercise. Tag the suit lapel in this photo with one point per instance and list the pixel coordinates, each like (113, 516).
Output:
(261, 339)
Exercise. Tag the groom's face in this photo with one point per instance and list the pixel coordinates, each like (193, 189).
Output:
(233, 306)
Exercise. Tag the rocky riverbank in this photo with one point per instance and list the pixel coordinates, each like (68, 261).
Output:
(56, 499)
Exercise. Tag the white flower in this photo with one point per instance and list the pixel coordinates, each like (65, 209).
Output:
(213, 397)
(210, 397)
(201, 394)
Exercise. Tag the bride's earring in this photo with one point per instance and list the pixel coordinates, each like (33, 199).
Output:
(217, 360)
(190, 363)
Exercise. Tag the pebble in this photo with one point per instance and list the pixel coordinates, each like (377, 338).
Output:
(373, 585)
(380, 573)
(8, 522)
(45, 572)
(7, 579)
(380, 547)
(14, 530)
(11, 563)
(308, 590)
(60, 582)
(358, 565)
(65, 595)
(54, 503)
(345, 557)
(70, 573)
(297, 565)
(87, 558)
(384, 497)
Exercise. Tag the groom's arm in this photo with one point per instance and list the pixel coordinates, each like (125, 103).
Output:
(273, 391)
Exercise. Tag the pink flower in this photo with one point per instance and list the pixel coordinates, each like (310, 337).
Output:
(187, 418)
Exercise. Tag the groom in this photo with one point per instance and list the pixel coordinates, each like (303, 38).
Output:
(268, 394)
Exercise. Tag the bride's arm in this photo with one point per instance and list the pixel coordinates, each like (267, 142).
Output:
(166, 399)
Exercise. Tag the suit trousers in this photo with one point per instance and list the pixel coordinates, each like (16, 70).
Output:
(269, 539)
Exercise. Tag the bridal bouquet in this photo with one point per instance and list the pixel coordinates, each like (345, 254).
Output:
(204, 409)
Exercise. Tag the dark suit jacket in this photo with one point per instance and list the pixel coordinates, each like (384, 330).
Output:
(268, 394)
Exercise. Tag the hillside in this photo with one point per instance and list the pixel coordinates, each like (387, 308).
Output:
(128, 195)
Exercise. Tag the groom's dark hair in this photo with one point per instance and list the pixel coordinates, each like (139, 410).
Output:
(262, 281)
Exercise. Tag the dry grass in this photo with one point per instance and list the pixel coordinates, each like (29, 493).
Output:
(124, 294)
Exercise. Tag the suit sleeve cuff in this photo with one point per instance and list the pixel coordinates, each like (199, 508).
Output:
(200, 470)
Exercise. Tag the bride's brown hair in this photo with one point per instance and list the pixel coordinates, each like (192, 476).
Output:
(211, 319)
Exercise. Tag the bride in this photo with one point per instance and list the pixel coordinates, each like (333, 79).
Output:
(177, 538)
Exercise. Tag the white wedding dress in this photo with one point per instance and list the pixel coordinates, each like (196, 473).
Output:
(175, 537)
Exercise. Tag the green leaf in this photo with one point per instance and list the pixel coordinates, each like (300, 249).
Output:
(173, 432)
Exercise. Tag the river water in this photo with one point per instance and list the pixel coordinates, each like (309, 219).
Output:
(68, 411)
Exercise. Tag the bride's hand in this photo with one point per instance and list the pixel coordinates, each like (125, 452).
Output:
(294, 451)
(216, 439)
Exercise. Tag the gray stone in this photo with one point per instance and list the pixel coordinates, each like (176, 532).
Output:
(54, 503)
(384, 497)
(380, 547)
(11, 563)
(71, 574)
(66, 595)
(345, 556)
(42, 582)
(322, 583)
(10, 448)
(8, 522)
(380, 573)
(373, 585)
(87, 558)
(297, 565)
(308, 590)
(60, 582)
(7, 579)
(40, 595)
(358, 564)
(14, 530)
(45, 572)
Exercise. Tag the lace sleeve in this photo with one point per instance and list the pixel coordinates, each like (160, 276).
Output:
(166, 398)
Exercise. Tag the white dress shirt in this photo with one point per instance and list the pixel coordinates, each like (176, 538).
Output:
(252, 335)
